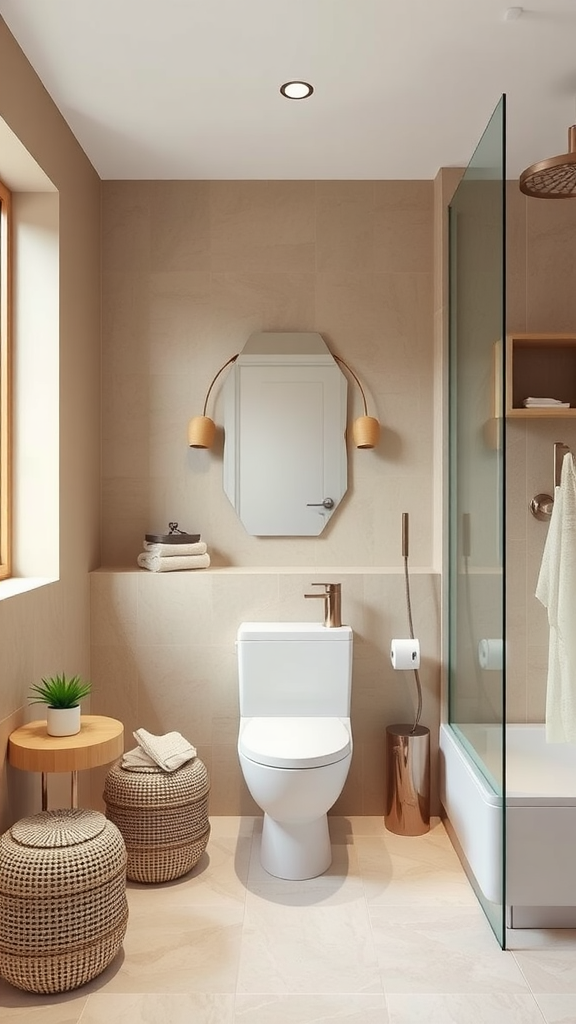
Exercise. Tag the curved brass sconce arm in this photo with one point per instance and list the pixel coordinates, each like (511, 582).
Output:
(365, 429)
(215, 378)
(350, 370)
(201, 429)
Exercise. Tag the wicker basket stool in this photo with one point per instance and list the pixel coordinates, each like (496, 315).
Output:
(163, 817)
(63, 907)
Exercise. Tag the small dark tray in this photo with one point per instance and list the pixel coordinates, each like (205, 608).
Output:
(172, 538)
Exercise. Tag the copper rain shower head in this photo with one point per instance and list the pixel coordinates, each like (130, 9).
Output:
(554, 178)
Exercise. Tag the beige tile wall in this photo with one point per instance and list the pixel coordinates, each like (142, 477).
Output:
(163, 657)
(541, 296)
(47, 630)
(190, 270)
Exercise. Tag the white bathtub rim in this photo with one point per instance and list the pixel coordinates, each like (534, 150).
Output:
(516, 797)
(540, 838)
(472, 770)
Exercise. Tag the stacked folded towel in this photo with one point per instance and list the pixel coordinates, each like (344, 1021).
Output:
(171, 557)
(545, 403)
(168, 752)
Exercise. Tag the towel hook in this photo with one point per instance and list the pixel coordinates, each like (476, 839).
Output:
(542, 504)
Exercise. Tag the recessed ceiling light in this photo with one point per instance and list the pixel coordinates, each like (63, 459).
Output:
(296, 90)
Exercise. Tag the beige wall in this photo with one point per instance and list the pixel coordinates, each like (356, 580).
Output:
(541, 296)
(47, 629)
(190, 270)
(163, 657)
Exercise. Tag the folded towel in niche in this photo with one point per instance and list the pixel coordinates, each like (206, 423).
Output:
(170, 751)
(542, 403)
(175, 550)
(172, 563)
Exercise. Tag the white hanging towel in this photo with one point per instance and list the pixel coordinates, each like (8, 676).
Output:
(556, 589)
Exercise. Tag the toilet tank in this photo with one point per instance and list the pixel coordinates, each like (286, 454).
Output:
(294, 669)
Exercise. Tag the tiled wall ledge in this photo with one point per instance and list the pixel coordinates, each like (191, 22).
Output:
(163, 657)
(284, 570)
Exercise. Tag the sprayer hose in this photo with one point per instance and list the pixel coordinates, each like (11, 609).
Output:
(411, 624)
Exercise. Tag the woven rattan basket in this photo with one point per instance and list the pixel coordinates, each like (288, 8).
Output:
(63, 907)
(163, 817)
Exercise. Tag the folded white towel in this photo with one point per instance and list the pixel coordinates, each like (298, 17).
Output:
(137, 760)
(556, 589)
(170, 751)
(175, 550)
(172, 563)
(541, 403)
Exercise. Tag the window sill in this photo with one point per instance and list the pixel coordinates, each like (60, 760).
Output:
(21, 584)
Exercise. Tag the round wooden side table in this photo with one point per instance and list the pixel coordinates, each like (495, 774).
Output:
(99, 741)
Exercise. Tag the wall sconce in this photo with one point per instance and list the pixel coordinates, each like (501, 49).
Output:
(365, 429)
(201, 429)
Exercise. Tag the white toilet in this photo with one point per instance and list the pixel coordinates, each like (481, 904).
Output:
(295, 740)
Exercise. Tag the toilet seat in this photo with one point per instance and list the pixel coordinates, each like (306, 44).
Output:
(295, 742)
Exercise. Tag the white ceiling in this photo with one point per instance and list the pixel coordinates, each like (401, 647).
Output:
(190, 88)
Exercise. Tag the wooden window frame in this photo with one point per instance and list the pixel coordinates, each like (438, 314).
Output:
(5, 383)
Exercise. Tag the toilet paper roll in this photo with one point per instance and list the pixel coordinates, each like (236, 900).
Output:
(405, 654)
(491, 654)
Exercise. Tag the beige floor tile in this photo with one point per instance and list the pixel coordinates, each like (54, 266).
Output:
(343, 873)
(549, 970)
(390, 934)
(164, 1008)
(471, 1008)
(374, 825)
(218, 879)
(442, 950)
(19, 1007)
(436, 839)
(290, 948)
(179, 949)
(404, 871)
(312, 892)
(311, 1009)
(351, 826)
(557, 1009)
(230, 826)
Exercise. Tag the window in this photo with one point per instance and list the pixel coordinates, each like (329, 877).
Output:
(5, 389)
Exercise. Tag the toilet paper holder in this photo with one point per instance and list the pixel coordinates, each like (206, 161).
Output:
(405, 654)
(491, 654)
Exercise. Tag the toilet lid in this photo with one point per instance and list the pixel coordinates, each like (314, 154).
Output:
(295, 742)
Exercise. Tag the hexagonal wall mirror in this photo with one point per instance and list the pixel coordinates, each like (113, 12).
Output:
(285, 468)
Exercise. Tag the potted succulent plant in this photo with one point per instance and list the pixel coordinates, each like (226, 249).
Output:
(62, 696)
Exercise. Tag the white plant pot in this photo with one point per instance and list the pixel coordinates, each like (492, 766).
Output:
(63, 721)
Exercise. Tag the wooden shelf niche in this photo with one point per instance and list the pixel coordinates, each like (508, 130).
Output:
(540, 366)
